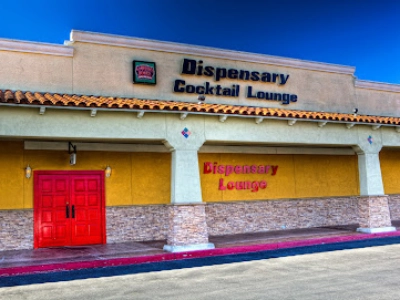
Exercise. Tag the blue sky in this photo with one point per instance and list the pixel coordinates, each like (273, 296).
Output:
(360, 33)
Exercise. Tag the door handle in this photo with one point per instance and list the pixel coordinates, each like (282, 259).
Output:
(73, 211)
(67, 211)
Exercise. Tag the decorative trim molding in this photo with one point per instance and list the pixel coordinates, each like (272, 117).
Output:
(275, 150)
(183, 116)
(140, 114)
(63, 146)
(376, 127)
(129, 42)
(378, 86)
(222, 118)
(322, 123)
(259, 120)
(33, 47)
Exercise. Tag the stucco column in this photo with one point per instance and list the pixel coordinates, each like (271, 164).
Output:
(369, 169)
(185, 177)
(373, 206)
(187, 228)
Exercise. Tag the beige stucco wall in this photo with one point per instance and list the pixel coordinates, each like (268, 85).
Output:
(373, 102)
(96, 64)
(107, 70)
(35, 72)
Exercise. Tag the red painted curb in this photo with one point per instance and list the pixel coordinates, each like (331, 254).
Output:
(34, 269)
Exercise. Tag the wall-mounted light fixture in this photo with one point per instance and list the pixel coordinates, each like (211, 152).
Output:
(107, 171)
(28, 172)
(72, 154)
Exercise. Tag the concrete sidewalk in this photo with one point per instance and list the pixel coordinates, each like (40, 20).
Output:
(23, 262)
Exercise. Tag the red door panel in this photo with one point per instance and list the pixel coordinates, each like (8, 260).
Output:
(51, 225)
(86, 225)
(69, 208)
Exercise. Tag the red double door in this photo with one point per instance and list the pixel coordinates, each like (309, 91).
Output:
(69, 208)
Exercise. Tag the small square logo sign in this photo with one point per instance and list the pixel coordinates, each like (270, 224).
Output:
(144, 72)
(185, 132)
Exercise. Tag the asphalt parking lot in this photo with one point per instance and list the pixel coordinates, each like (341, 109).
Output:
(366, 273)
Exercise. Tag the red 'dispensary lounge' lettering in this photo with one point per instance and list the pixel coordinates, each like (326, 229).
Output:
(214, 168)
(242, 185)
(254, 186)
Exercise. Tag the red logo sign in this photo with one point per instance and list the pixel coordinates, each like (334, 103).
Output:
(144, 72)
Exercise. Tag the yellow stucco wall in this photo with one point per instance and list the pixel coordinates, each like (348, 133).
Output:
(144, 178)
(390, 166)
(137, 178)
(297, 176)
(11, 176)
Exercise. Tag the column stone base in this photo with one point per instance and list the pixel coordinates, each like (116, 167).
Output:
(187, 230)
(188, 247)
(374, 214)
(376, 230)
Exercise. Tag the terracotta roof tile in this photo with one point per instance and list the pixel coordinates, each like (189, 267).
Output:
(48, 99)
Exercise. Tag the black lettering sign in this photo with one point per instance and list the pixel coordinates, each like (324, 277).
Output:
(197, 68)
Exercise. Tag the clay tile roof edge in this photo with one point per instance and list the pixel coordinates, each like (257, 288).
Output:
(87, 102)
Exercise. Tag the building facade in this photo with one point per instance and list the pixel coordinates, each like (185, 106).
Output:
(109, 139)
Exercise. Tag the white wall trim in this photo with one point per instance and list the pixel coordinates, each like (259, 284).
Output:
(33, 47)
(63, 146)
(378, 86)
(276, 150)
(129, 42)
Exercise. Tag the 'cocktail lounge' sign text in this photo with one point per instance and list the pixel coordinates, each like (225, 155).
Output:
(198, 68)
